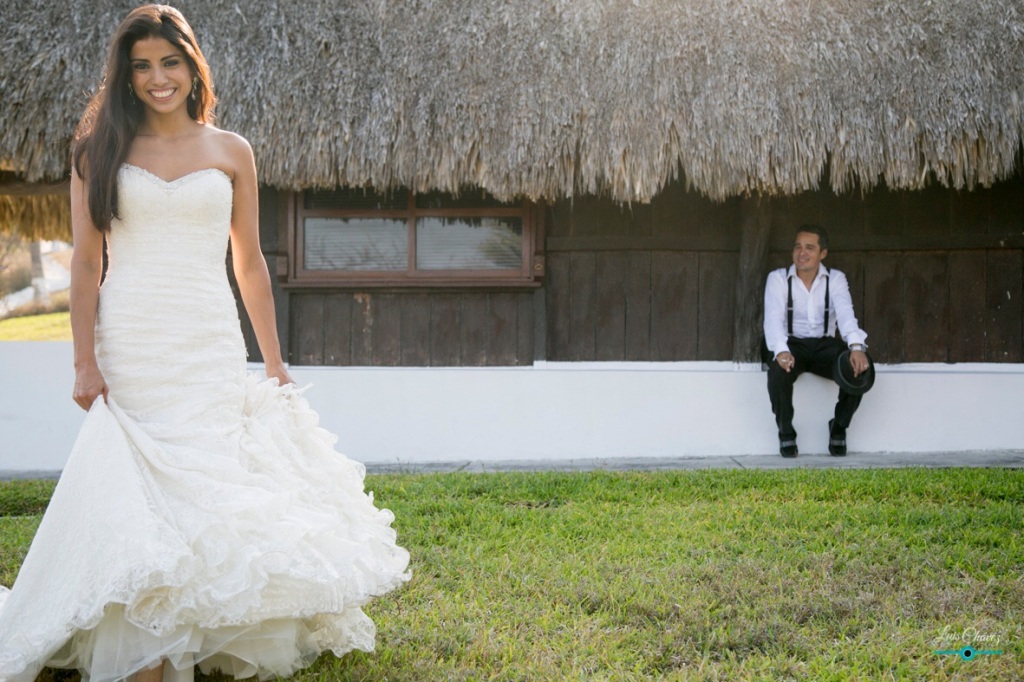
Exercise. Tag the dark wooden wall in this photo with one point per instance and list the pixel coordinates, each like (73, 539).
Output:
(936, 276)
(450, 327)
(647, 282)
(411, 329)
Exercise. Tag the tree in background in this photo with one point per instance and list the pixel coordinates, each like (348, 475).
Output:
(39, 291)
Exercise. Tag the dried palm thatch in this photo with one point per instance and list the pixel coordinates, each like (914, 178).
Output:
(551, 98)
(44, 216)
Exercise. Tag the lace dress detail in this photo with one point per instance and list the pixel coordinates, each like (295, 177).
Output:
(203, 516)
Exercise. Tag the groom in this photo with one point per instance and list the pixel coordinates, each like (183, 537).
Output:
(803, 305)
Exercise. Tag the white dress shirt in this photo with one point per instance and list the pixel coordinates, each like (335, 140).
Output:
(808, 308)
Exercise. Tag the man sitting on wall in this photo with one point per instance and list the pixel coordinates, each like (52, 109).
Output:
(803, 304)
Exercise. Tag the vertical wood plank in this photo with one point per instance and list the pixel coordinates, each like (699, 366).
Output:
(883, 307)
(525, 329)
(638, 306)
(926, 289)
(746, 293)
(1007, 208)
(445, 330)
(282, 302)
(583, 306)
(273, 225)
(967, 306)
(252, 349)
(307, 328)
(557, 287)
(610, 302)
(415, 326)
(387, 331)
(716, 305)
(273, 230)
(851, 264)
(502, 335)
(1003, 292)
(674, 305)
(559, 222)
(476, 328)
(338, 329)
(363, 314)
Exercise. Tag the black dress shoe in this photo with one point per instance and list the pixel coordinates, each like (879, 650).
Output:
(787, 447)
(836, 441)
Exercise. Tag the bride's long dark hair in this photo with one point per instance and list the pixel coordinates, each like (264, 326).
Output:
(113, 116)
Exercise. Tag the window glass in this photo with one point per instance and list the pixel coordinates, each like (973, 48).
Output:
(469, 243)
(354, 237)
(356, 244)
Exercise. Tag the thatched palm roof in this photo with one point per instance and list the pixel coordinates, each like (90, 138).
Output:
(549, 98)
(36, 217)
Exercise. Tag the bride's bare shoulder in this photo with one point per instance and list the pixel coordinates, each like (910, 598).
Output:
(232, 150)
(224, 136)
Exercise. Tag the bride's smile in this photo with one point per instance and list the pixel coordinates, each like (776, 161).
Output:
(160, 75)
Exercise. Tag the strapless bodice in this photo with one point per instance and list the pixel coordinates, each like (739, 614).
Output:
(167, 326)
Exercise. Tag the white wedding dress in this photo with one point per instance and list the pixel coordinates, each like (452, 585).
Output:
(203, 517)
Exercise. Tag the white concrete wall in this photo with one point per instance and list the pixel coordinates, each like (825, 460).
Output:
(567, 410)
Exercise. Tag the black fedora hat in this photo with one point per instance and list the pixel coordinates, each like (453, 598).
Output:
(842, 372)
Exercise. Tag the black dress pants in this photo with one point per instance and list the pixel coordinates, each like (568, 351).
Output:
(809, 355)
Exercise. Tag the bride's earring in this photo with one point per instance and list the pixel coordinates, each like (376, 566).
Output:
(131, 91)
(194, 82)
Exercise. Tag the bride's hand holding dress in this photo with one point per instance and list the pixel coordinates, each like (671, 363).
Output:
(89, 385)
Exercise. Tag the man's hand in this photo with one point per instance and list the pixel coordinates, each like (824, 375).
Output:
(785, 360)
(859, 362)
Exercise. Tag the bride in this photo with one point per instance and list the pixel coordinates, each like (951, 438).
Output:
(203, 517)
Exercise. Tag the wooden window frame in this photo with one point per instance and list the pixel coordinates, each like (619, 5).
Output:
(529, 275)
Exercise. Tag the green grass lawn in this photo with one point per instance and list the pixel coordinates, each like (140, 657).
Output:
(689, 575)
(46, 327)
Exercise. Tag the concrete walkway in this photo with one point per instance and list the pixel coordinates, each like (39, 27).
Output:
(1012, 459)
(1005, 459)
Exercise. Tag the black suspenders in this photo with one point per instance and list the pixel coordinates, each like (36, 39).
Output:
(789, 304)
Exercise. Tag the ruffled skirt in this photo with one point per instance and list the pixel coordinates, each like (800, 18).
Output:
(249, 548)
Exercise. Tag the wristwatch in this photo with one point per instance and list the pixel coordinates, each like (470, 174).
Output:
(858, 346)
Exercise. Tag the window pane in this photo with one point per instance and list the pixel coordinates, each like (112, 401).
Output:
(356, 244)
(469, 243)
(355, 198)
(470, 198)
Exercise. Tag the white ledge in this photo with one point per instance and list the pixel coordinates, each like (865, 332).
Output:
(569, 411)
